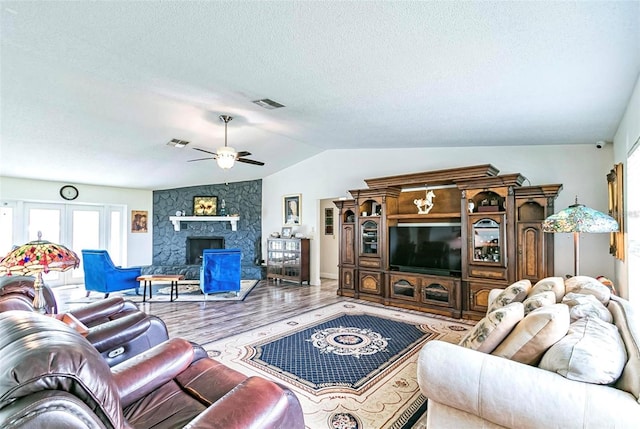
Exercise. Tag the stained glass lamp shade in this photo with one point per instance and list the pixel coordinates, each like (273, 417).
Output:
(578, 218)
(37, 257)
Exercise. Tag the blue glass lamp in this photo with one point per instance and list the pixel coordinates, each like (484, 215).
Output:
(578, 218)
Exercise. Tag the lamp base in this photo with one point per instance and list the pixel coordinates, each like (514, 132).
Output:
(576, 253)
(39, 304)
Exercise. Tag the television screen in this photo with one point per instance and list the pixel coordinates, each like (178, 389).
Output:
(426, 248)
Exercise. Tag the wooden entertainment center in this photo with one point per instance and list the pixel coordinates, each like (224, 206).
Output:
(501, 239)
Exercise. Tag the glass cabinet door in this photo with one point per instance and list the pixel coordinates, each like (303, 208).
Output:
(292, 245)
(369, 237)
(487, 241)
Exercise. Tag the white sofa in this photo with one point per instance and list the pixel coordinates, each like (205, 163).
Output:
(469, 389)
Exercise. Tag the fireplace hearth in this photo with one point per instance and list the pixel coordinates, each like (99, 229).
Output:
(195, 246)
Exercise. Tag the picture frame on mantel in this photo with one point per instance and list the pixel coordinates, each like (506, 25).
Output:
(291, 209)
(205, 206)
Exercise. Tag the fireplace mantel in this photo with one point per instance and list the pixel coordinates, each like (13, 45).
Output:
(231, 219)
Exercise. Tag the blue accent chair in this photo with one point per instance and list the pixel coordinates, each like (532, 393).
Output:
(220, 271)
(101, 275)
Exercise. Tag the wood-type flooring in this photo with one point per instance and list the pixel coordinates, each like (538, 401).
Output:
(203, 322)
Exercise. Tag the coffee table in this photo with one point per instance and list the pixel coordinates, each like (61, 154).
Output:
(150, 278)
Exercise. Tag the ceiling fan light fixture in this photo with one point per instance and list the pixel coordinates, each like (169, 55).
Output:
(225, 157)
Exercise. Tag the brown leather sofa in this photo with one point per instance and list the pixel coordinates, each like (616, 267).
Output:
(52, 377)
(116, 328)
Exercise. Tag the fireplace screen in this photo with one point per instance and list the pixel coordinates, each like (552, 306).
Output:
(195, 246)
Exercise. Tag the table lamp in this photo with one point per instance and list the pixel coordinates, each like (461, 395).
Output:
(578, 218)
(37, 257)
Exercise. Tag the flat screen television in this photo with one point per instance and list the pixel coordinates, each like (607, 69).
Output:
(426, 248)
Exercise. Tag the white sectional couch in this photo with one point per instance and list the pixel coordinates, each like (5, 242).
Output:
(471, 389)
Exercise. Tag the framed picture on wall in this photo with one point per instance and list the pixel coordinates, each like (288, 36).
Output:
(291, 209)
(139, 219)
(205, 206)
(616, 210)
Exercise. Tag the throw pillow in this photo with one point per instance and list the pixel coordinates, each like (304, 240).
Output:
(608, 283)
(555, 284)
(534, 334)
(586, 305)
(588, 286)
(538, 300)
(493, 328)
(592, 352)
(515, 292)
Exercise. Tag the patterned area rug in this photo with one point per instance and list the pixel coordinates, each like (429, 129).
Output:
(353, 366)
(188, 291)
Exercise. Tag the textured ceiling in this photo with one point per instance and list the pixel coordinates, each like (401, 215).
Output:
(92, 91)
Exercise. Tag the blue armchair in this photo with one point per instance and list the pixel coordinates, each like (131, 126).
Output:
(220, 271)
(101, 275)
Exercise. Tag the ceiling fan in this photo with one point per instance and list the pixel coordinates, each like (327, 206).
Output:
(226, 156)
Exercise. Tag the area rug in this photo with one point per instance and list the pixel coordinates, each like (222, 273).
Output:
(353, 366)
(188, 291)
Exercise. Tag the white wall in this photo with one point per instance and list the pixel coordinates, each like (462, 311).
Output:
(581, 169)
(626, 136)
(139, 246)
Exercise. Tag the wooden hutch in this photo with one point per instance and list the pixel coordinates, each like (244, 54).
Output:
(501, 239)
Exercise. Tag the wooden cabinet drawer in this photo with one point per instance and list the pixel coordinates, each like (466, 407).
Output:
(487, 272)
(370, 283)
(404, 286)
(440, 291)
(425, 289)
(369, 262)
(348, 281)
(478, 295)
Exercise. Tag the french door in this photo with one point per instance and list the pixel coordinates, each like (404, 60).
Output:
(77, 227)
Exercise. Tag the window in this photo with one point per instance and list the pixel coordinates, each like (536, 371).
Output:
(633, 222)
(6, 229)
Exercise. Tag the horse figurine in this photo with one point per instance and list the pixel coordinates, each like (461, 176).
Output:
(425, 204)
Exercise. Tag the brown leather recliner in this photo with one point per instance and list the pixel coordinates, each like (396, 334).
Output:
(17, 293)
(117, 328)
(52, 377)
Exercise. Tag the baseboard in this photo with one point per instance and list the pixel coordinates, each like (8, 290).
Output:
(330, 276)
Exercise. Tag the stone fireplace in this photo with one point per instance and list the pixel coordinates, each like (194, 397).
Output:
(171, 254)
(195, 246)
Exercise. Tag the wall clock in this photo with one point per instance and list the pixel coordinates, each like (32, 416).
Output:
(69, 192)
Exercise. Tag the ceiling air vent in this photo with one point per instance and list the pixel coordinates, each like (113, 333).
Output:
(178, 143)
(268, 104)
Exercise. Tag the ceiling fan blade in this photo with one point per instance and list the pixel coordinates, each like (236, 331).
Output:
(205, 151)
(249, 161)
(243, 153)
(201, 159)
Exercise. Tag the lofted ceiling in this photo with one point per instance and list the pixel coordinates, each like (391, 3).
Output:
(91, 92)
